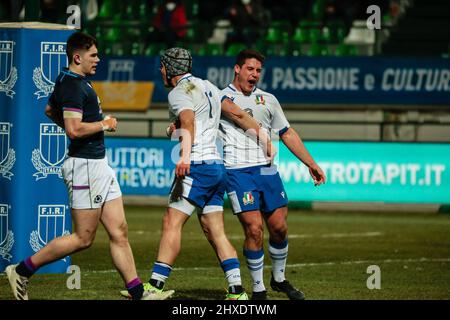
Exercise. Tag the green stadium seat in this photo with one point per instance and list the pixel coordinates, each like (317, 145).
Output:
(326, 35)
(107, 10)
(296, 50)
(317, 50)
(235, 48)
(315, 35)
(300, 35)
(114, 34)
(154, 49)
(318, 9)
(273, 35)
(277, 50)
(341, 50)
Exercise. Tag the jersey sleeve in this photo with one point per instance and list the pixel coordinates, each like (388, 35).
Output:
(71, 99)
(279, 121)
(179, 101)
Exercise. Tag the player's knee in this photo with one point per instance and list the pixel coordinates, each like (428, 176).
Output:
(255, 232)
(278, 231)
(85, 241)
(120, 234)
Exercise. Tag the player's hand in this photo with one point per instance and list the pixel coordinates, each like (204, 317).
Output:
(170, 129)
(109, 123)
(183, 168)
(317, 174)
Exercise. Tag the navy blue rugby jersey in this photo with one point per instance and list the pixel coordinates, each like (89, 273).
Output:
(74, 93)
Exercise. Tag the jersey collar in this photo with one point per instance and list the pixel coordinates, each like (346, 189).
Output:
(185, 77)
(233, 88)
(67, 72)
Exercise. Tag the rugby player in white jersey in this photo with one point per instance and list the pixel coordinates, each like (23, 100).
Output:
(199, 184)
(254, 186)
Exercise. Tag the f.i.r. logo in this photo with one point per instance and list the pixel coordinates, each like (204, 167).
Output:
(53, 60)
(52, 151)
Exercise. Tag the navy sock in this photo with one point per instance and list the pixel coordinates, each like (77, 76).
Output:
(135, 289)
(26, 268)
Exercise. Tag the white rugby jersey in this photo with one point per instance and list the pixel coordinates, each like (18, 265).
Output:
(203, 98)
(240, 150)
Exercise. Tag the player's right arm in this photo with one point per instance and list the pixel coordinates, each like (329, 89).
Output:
(246, 122)
(77, 129)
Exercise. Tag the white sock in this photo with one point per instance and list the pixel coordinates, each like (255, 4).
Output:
(255, 264)
(278, 254)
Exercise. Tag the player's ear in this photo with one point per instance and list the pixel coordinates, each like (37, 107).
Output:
(77, 58)
(237, 68)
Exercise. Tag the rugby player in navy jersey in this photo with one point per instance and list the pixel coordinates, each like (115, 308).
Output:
(94, 193)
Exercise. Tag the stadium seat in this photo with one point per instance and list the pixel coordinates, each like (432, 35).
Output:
(296, 50)
(276, 50)
(154, 49)
(315, 35)
(235, 48)
(300, 35)
(341, 50)
(317, 50)
(107, 10)
(273, 35)
(318, 9)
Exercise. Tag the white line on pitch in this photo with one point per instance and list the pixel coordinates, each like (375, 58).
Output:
(310, 264)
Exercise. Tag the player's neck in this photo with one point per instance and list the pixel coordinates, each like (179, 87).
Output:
(236, 85)
(175, 79)
(76, 69)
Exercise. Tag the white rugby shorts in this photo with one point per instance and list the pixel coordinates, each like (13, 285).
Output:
(90, 182)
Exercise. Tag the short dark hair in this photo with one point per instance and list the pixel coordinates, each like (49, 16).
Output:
(249, 54)
(79, 41)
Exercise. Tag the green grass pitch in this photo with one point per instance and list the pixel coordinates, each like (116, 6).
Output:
(329, 254)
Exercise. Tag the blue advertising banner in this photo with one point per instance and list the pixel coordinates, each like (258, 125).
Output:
(33, 198)
(375, 172)
(325, 80)
(143, 166)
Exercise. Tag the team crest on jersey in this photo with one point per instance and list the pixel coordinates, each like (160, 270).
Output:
(7, 154)
(52, 151)
(8, 73)
(53, 59)
(6, 235)
(248, 198)
(260, 99)
(51, 224)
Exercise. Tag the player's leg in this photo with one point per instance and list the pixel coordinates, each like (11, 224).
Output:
(213, 227)
(114, 221)
(85, 225)
(244, 197)
(176, 215)
(278, 243)
(278, 250)
(253, 226)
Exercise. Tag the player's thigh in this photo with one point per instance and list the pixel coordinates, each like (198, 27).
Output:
(174, 219)
(212, 223)
(251, 221)
(85, 222)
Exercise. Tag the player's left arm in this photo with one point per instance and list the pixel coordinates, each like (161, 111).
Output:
(187, 133)
(295, 144)
(55, 115)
